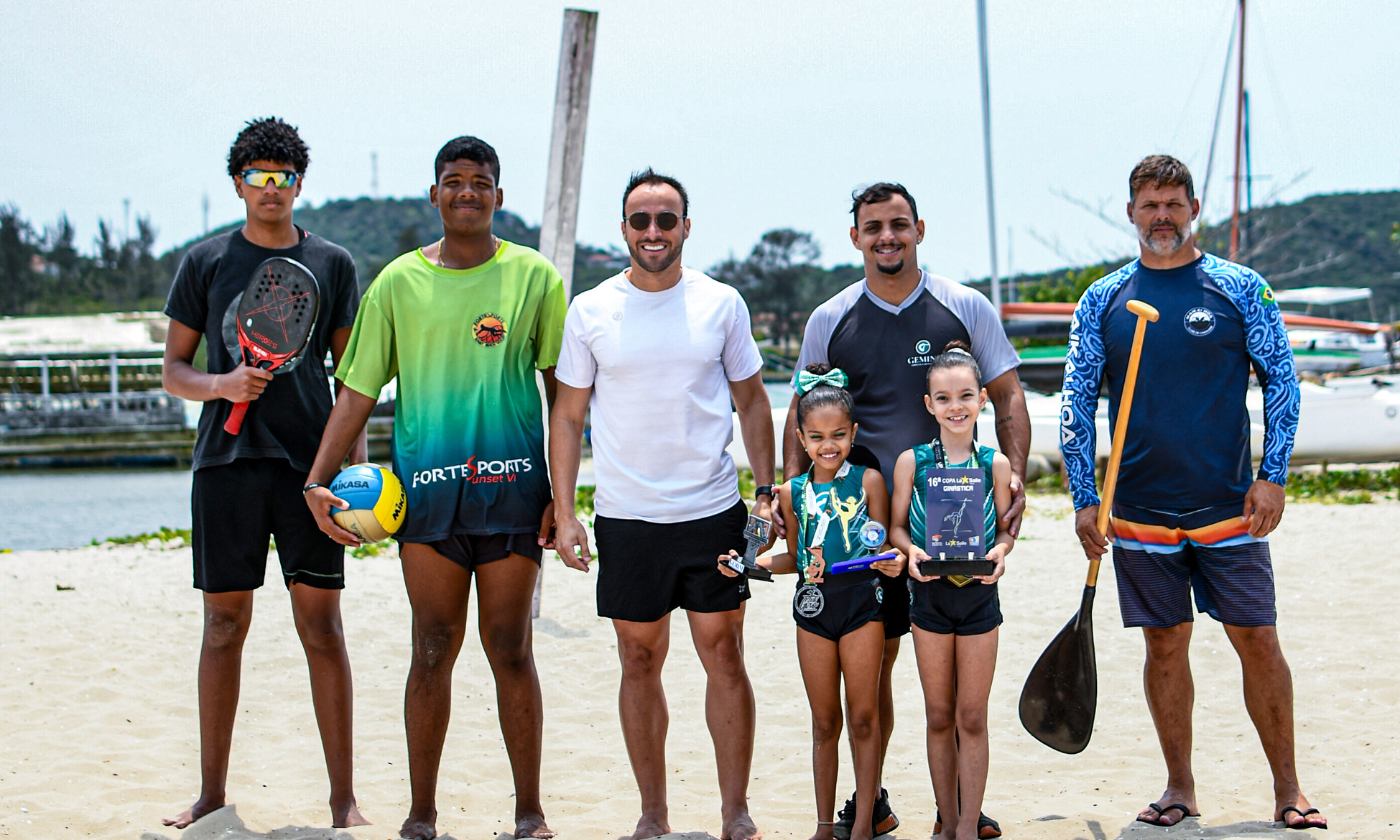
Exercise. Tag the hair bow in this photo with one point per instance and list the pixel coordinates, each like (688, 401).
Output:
(806, 380)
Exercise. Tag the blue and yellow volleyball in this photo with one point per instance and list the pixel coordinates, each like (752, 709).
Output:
(376, 498)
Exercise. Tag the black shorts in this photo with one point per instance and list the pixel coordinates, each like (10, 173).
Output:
(472, 550)
(940, 607)
(894, 610)
(237, 507)
(647, 569)
(837, 606)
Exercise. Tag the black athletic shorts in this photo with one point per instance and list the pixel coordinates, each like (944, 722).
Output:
(472, 550)
(840, 604)
(940, 607)
(894, 610)
(237, 507)
(647, 569)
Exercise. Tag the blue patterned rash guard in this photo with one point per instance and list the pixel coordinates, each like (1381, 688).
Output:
(1187, 443)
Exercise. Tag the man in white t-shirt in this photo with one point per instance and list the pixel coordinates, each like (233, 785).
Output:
(658, 352)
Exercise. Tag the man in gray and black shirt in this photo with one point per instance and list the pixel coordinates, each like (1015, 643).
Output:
(883, 332)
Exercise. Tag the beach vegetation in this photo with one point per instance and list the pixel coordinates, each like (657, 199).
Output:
(162, 537)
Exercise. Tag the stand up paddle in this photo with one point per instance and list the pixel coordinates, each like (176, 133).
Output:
(276, 317)
(1062, 690)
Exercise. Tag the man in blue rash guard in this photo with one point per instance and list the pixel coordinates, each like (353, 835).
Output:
(1188, 516)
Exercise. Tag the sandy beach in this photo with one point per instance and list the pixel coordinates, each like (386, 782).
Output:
(98, 730)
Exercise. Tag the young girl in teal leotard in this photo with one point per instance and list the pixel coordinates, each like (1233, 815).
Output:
(839, 632)
(955, 619)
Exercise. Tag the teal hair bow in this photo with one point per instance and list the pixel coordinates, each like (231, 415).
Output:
(806, 381)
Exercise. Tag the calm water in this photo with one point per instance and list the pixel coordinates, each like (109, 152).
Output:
(65, 509)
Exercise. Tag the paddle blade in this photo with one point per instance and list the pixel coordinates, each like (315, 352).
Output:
(1062, 690)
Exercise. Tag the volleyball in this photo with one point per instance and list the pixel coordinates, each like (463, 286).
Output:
(376, 498)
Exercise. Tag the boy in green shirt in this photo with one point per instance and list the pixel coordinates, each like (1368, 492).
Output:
(464, 324)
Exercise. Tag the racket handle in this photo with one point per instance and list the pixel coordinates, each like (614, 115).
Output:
(234, 423)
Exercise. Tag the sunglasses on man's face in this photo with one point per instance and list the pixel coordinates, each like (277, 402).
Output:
(259, 178)
(666, 220)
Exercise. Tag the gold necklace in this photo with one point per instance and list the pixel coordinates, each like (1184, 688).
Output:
(495, 246)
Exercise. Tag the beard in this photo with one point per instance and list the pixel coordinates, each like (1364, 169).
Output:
(1154, 243)
(890, 269)
(654, 262)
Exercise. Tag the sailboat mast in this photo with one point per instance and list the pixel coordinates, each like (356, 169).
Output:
(987, 153)
(1239, 144)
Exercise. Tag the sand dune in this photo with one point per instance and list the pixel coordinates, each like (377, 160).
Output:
(98, 719)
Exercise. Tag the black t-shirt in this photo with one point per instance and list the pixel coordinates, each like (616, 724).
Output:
(289, 417)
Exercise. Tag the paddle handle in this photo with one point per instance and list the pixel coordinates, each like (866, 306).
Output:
(1145, 313)
(234, 423)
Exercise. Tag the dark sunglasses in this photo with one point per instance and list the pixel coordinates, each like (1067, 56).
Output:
(259, 178)
(666, 220)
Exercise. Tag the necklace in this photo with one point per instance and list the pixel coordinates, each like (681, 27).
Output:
(495, 246)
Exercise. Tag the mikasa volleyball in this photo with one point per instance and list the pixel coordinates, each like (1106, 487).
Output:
(376, 498)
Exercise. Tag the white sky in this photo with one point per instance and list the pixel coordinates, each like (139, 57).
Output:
(769, 112)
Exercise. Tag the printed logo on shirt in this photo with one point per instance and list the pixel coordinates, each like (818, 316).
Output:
(475, 472)
(489, 329)
(922, 347)
(1266, 295)
(1200, 321)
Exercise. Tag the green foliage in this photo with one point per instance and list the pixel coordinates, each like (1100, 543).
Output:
(746, 483)
(43, 273)
(378, 549)
(1065, 286)
(1344, 486)
(163, 535)
(583, 499)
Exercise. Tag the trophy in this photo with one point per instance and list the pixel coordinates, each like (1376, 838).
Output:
(756, 533)
(872, 536)
(954, 525)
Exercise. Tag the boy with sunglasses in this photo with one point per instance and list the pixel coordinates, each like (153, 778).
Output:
(247, 487)
(464, 324)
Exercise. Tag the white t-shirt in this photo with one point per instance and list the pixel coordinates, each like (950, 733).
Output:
(660, 364)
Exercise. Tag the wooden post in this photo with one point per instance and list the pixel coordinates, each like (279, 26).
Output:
(566, 142)
(566, 162)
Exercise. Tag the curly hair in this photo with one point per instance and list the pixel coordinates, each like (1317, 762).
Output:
(876, 193)
(268, 139)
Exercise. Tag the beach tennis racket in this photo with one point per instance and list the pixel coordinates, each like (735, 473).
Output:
(276, 317)
(1061, 693)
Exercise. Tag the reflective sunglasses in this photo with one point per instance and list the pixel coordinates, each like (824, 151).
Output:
(259, 178)
(666, 220)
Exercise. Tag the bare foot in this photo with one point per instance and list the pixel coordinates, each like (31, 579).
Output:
(199, 809)
(1298, 814)
(649, 826)
(344, 816)
(1172, 808)
(419, 827)
(532, 825)
(740, 827)
(824, 832)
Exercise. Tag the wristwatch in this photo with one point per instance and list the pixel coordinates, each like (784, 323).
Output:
(764, 490)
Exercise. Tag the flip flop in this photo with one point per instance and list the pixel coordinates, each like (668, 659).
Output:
(987, 828)
(1304, 822)
(1161, 812)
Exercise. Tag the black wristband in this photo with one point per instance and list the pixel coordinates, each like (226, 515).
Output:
(764, 490)
(309, 486)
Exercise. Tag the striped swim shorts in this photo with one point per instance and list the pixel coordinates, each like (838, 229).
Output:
(1161, 558)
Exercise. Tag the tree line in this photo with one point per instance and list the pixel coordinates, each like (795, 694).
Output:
(42, 271)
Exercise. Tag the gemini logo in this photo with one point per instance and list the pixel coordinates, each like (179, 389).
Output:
(922, 347)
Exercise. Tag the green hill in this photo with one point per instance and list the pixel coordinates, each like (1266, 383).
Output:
(1343, 239)
(376, 230)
